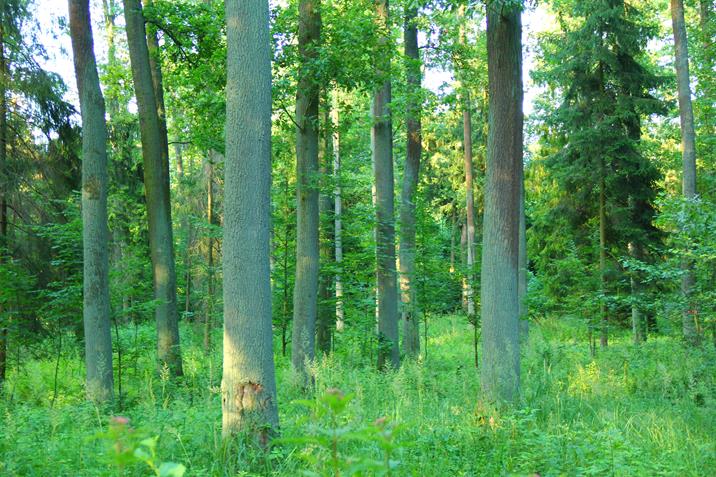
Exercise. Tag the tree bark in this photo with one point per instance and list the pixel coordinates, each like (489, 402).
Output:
(409, 295)
(4, 245)
(382, 142)
(210, 254)
(249, 385)
(500, 370)
(156, 185)
(305, 291)
(524, 323)
(688, 149)
(603, 317)
(95, 233)
(337, 213)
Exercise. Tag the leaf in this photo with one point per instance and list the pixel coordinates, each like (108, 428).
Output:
(171, 469)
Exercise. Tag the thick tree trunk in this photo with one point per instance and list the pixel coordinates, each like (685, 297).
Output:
(156, 185)
(637, 316)
(305, 291)
(688, 149)
(500, 370)
(382, 142)
(326, 312)
(248, 386)
(337, 213)
(408, 289)
(95, 234)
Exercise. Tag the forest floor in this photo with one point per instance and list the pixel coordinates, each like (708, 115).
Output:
(647, 410)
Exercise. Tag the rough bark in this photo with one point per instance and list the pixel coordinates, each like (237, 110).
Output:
(305, 291)
(95, 233)
(382, 151)
(156, 189)
(337, 213)
(248, 386)
(688, 150)
(500, 370)
(408, 291)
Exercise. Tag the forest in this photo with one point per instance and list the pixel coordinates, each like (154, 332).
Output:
(357, 238)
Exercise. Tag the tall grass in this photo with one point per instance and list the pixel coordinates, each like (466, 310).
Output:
(647, 410)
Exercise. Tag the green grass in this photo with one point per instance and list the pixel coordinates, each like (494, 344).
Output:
(648, 410)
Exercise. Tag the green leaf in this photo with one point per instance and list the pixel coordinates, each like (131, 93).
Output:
(171, 469)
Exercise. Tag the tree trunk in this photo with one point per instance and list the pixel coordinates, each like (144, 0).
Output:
(155, 66)
(248, 386)
(409, 295)
(305, 291)
(688, 149)
(382, 142)
(95, 234)
(326, 312)
(524, 323)
(500, 370)
(4, 245)
(604, 319)
(337, 211)
(156, 185)
(637, 317)
(210, 254)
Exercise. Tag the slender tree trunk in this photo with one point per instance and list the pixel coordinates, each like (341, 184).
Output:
(604, 319)
(326, 312)
(248, 386)
(95, 234)
(156, 185)
(409, 295)
(337, 213)
(4, 245)
(305, 291)
(382, 142)
(155, 66)
(688, 149)
(210, 255)
(500, 370)
(453, 227)
(469, 189)
(524, 323)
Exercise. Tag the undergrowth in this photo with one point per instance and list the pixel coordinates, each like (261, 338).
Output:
(646, 410)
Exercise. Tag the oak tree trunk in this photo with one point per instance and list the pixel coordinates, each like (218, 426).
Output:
(408, 288)
(382, 142)
(156, 185)
(248, 387)
(305, 292)
(95, 233)
(500, 370)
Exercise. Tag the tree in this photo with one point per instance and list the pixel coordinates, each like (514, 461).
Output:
(95, 235)
(688, 150)
(500, 370)
(408, 288)
(382, 150)
(305, 295)
(249, 384)
(156, 185)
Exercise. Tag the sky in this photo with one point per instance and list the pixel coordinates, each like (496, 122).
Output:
(52, 13)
